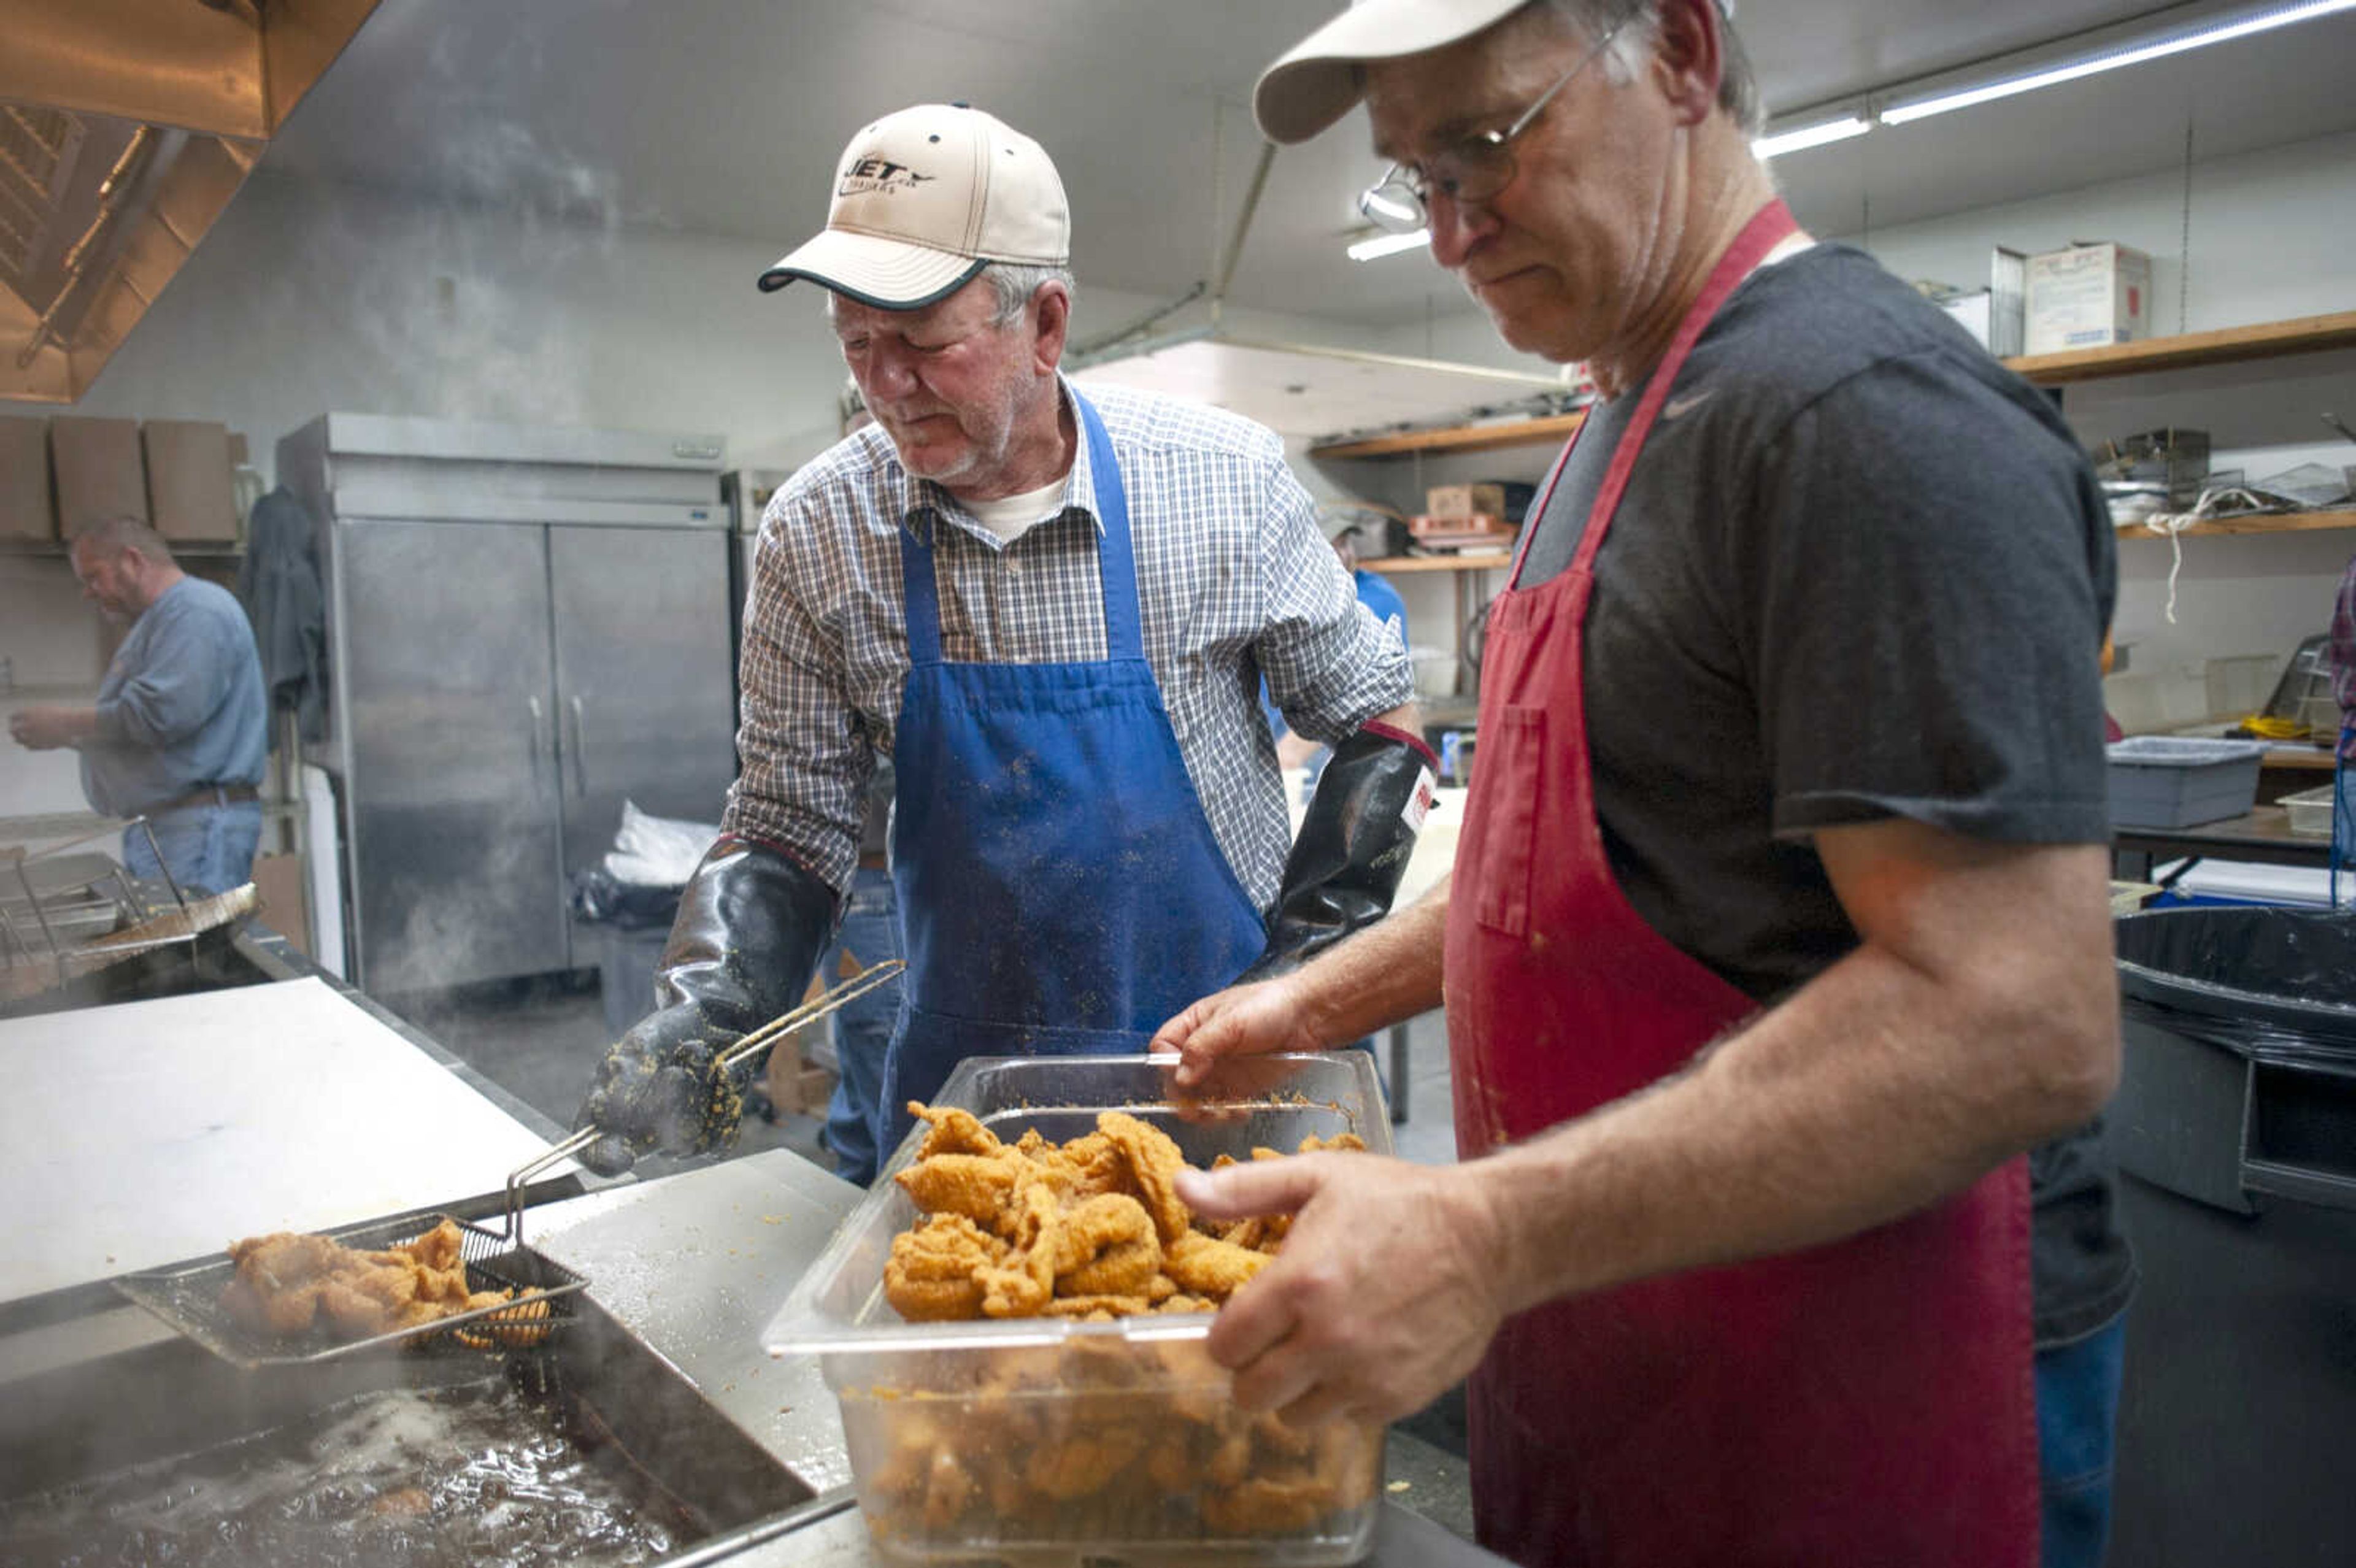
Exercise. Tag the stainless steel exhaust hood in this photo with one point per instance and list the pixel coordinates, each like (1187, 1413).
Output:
(125, 128)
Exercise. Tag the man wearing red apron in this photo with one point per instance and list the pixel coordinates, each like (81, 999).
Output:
(1748, 1033)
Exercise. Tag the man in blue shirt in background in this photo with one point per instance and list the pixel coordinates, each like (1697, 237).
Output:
(179, 732)
(1377, 595)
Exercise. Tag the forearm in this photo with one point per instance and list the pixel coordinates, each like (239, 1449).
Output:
(1385, 974)
(1880, 1087)
(72, 725)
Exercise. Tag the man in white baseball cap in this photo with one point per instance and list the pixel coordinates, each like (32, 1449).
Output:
(1756, 993)
(1052, 611)
(924, 201)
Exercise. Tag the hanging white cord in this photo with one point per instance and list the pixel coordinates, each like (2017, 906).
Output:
(2173, 525)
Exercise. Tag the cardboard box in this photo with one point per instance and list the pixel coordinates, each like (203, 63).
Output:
(26, 509)
(190, 495)
(279, 880)
(1993, 314)
(2088, 296)
(1465, 500)
(100, 473)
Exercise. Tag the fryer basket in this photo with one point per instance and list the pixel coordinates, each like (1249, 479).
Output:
(187, 1297)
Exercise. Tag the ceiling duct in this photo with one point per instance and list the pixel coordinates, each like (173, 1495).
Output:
(125, 128)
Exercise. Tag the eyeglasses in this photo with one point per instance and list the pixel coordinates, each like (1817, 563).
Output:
(1474, 169)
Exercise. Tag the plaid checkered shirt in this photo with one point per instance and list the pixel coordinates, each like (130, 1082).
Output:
(1234, 582)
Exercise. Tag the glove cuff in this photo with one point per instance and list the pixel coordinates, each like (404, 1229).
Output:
(1352, 846)
(751, 926)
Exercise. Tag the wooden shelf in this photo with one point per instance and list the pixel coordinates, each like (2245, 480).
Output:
(56, 549)
(1458, 438)
(1408, 565)
(2260, 523)
(2301, 336)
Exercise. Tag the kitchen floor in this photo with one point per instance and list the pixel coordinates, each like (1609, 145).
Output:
(542, 1040)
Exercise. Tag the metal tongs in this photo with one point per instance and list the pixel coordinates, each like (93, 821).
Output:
(753, 1044)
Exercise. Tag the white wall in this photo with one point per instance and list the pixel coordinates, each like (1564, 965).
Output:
(309, 298)
(2273, 236)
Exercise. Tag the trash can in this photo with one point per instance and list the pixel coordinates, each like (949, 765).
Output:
(2234, 1132)
(633, 923)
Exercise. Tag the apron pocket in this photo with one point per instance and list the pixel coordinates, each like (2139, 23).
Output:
(1513, 761)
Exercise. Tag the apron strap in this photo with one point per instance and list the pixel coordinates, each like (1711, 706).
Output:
(920, 596)
(1116, 555)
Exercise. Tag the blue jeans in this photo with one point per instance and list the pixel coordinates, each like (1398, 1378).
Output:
(2077, 1415)
(2343, 815)
(208, 848)
(863, 1030)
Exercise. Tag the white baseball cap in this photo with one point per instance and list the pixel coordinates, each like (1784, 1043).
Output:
(1318, 81)
(924, 199)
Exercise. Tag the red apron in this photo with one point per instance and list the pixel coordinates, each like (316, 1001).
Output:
(1867, 1401)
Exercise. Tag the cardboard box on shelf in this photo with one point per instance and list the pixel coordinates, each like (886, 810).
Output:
(1993, 314)
(1465, 500)
(2088, 296)
(100, 473)
(190, 495)
(25, 510)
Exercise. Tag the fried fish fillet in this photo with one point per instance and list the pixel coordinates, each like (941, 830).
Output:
(288, 1282)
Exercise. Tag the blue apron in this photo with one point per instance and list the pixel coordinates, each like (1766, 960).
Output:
(1061, 894)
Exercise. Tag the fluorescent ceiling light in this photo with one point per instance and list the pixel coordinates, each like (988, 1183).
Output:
(1392, 244)
(2160, 47)
(1817, 135)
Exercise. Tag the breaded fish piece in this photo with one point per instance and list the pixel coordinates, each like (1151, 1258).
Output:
(285, 1283)
(1154, 1162)
(933, 1273)
(982, 1187)
(1205, 1265)
(954, 1131)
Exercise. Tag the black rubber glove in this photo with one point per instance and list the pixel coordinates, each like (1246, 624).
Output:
(1353, 847)
(750, 928)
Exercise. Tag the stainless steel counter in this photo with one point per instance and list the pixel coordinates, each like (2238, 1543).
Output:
(696, 1264)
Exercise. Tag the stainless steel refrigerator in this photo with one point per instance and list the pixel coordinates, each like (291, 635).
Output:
(526, 627)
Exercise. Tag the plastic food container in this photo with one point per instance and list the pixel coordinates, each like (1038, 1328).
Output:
(2158, 781)
(1049, 1440)
(2310, 811)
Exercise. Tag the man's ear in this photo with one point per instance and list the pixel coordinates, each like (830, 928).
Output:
(1052, 310)
(1689, 58)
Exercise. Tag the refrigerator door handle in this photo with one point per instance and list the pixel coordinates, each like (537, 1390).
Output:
(580, 745)
(539, 735)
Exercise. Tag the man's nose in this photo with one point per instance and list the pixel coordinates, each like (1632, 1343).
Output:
(891, 370)
(1456, 227)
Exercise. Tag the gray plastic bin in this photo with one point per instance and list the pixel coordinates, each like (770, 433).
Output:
(2159, 781)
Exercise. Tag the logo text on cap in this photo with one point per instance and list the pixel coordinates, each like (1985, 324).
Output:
(871, 175)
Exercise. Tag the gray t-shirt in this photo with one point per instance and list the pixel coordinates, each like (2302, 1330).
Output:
(1861, 571)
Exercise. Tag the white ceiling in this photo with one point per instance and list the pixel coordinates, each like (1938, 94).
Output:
(725, 116)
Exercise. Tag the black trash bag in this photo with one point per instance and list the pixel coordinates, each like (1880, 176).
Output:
(2275, 984)
(597, 895)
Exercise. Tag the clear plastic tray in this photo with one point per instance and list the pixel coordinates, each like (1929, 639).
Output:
(1052, 1440)
(2310, 812)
